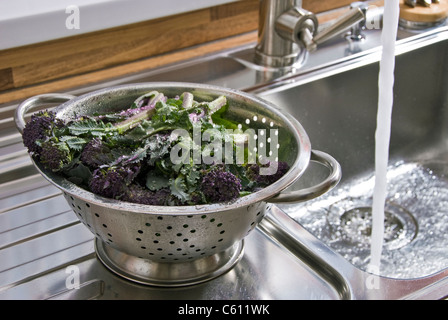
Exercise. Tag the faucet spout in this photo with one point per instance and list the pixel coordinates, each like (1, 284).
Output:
(287, 31)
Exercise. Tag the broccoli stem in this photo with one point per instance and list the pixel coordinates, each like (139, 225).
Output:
(217, 104)
(187, 101)
(146, 111)
(148, 98)
(133, 121)
(165, 128)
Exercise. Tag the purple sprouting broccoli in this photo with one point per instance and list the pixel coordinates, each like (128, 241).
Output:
(197, 197)
(55, 155)
(112, 182)
(42, 143)
(260, 180)
(137, 194)
(219, 185)
(96, 153)
(39, 129)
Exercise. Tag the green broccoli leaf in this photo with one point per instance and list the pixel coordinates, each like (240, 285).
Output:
(156, 181)
(192, 175)
(74, 143)
(90, 127)
(171, 117)
(133, 137)
(158, 146)
(134, 157)
(79, 174)
(179, 189)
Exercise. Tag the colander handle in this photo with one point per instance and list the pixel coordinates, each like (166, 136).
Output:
(315, 191)
(34, 102)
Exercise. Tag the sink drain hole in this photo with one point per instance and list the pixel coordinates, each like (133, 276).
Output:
(400, 227)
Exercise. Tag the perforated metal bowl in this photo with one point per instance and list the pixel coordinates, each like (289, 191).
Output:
(180, 245)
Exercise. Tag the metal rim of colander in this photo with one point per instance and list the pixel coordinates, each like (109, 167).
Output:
(296, 170)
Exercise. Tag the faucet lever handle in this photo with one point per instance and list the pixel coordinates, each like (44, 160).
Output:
(352, 17)
(301, 26)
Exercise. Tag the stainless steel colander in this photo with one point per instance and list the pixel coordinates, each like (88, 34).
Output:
(182, 245)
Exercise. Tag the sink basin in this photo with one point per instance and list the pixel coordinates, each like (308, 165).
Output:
(339, 112)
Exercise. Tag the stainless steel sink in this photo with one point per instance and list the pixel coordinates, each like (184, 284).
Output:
(338, 110)
(299, 251)
(339, 114)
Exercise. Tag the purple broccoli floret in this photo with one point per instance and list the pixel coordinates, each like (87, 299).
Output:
(96, 153)
(55, 156)
(219, 185)
(137, 194)
(38, 137)
(37, 129)
(112, 182)
(197, 198)
(261, 181)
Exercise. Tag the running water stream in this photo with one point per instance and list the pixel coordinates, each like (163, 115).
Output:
(382, 134)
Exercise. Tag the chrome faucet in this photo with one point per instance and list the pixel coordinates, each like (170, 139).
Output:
(287, 31)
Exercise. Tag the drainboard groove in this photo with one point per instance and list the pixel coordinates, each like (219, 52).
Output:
(35, 221)
(13, 156)
(30, 258)
(27, 203)
(47, 255)
(22, 185)
(9, 139)
(39, 235)
(85, 255)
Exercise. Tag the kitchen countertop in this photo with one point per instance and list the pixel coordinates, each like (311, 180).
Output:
(28, 21)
